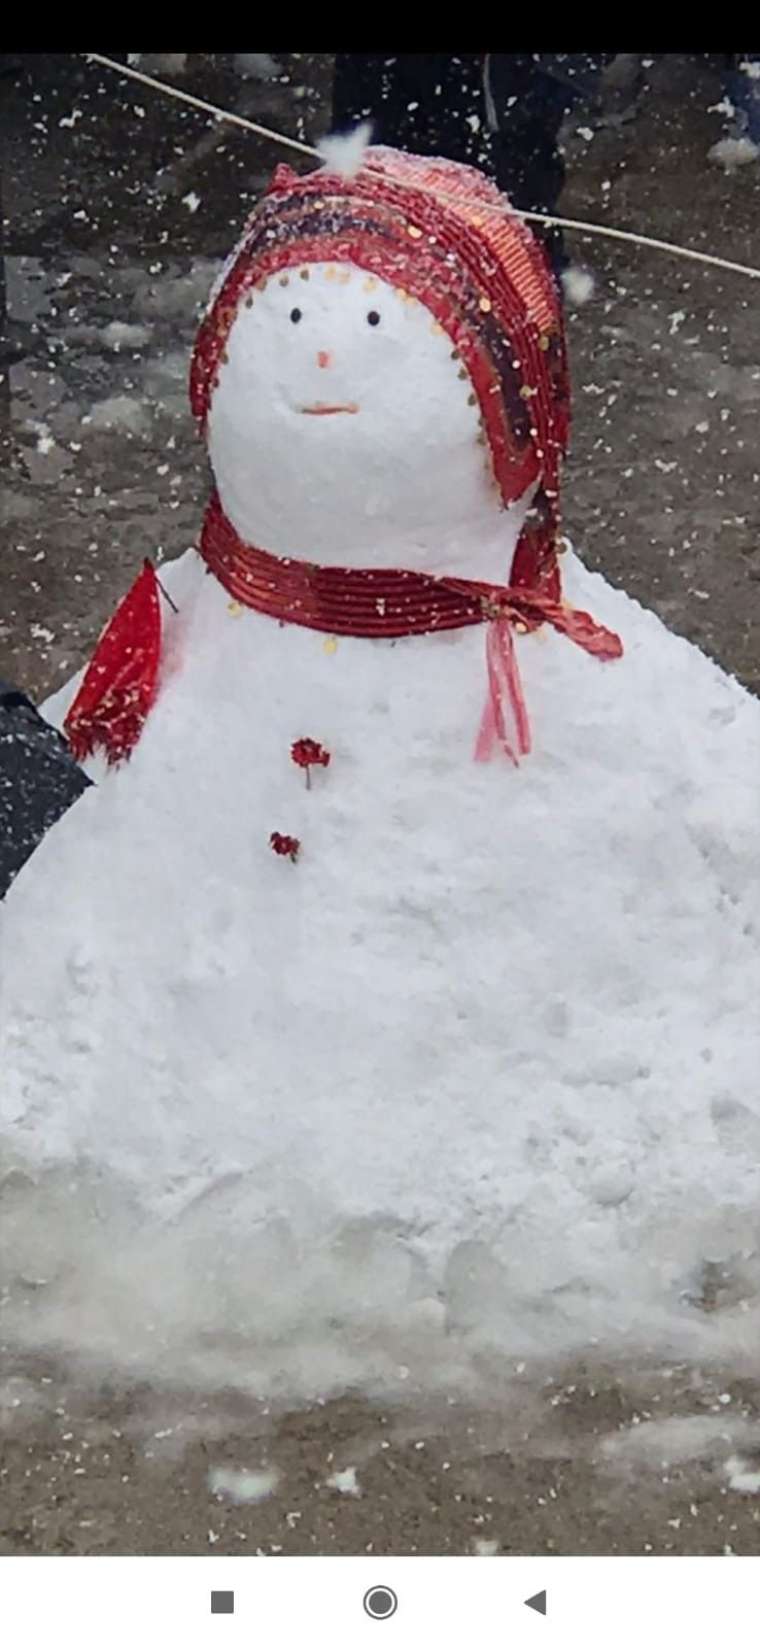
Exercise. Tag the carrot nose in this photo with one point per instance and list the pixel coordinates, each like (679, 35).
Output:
(324, 358)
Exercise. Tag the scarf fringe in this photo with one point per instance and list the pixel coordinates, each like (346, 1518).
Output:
(119, 686)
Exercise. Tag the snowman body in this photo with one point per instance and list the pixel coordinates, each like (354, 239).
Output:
(279, 957)
(488, 1010)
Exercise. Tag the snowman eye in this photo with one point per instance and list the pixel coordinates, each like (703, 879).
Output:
(373, 319)
(295, 315)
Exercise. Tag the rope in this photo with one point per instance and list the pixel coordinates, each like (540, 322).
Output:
(645, 240)
(578, 224)
(200, 103)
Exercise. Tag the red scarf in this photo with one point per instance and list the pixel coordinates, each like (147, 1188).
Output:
(119, 686)
(381, 603)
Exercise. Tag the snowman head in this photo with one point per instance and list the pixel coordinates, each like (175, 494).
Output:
(381, 367)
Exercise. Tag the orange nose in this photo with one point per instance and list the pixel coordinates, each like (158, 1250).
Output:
(324, 357)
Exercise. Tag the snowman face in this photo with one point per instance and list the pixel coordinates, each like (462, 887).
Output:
(344, 426)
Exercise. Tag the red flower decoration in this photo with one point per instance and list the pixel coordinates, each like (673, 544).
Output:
(307, 753)
(288, 846)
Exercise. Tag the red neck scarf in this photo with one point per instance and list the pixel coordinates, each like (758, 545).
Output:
(380, 603)
(119, 686)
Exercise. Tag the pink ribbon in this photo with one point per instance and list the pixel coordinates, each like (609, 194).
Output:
(505, 718)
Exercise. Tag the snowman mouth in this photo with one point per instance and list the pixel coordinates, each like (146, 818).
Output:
(322, 409)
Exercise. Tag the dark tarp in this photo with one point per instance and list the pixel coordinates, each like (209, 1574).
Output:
(39, 780)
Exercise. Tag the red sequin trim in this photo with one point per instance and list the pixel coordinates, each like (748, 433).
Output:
(380, 603)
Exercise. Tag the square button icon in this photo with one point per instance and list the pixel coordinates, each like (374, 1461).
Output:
(222, 1602)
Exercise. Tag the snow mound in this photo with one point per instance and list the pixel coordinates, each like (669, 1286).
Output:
(118, 334)
(173, 64)
(242, 1487)
(733, 152)
(741, 1477)
(256, 65)
(120, 414)
(474, 1080)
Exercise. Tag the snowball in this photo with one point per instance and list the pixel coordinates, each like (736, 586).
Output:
(345, 1482)
(344, 152)
(578, 284)
(732, 152)
(242, 1487)
(740, 1478)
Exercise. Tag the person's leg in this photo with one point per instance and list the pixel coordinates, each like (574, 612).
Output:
(620, 90)
(529, 107)
(435, 103)
(429, 103)
(744, 91)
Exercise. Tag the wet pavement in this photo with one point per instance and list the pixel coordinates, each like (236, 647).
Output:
(118, 206)
(666, 1462)
(118, 212)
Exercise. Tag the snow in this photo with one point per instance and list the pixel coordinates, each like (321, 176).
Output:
(122, 413)
(732, 152)
(256, 65)
(676, 1440)
(346, 1482)
(472, 1081)
(173, 64)
(740, 1477)
(502, 1086)
(45, 441)
(279, 473)
(578, 284)
(344, 153)
(119, 334)
(242, 1487)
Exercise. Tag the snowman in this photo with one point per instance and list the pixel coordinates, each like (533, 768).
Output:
(403, 956)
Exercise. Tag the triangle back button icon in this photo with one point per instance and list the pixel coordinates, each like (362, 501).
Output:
(537, 1602)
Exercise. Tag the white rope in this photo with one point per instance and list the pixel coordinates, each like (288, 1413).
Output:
(645, 240)
(199, 103)
(578, 224)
